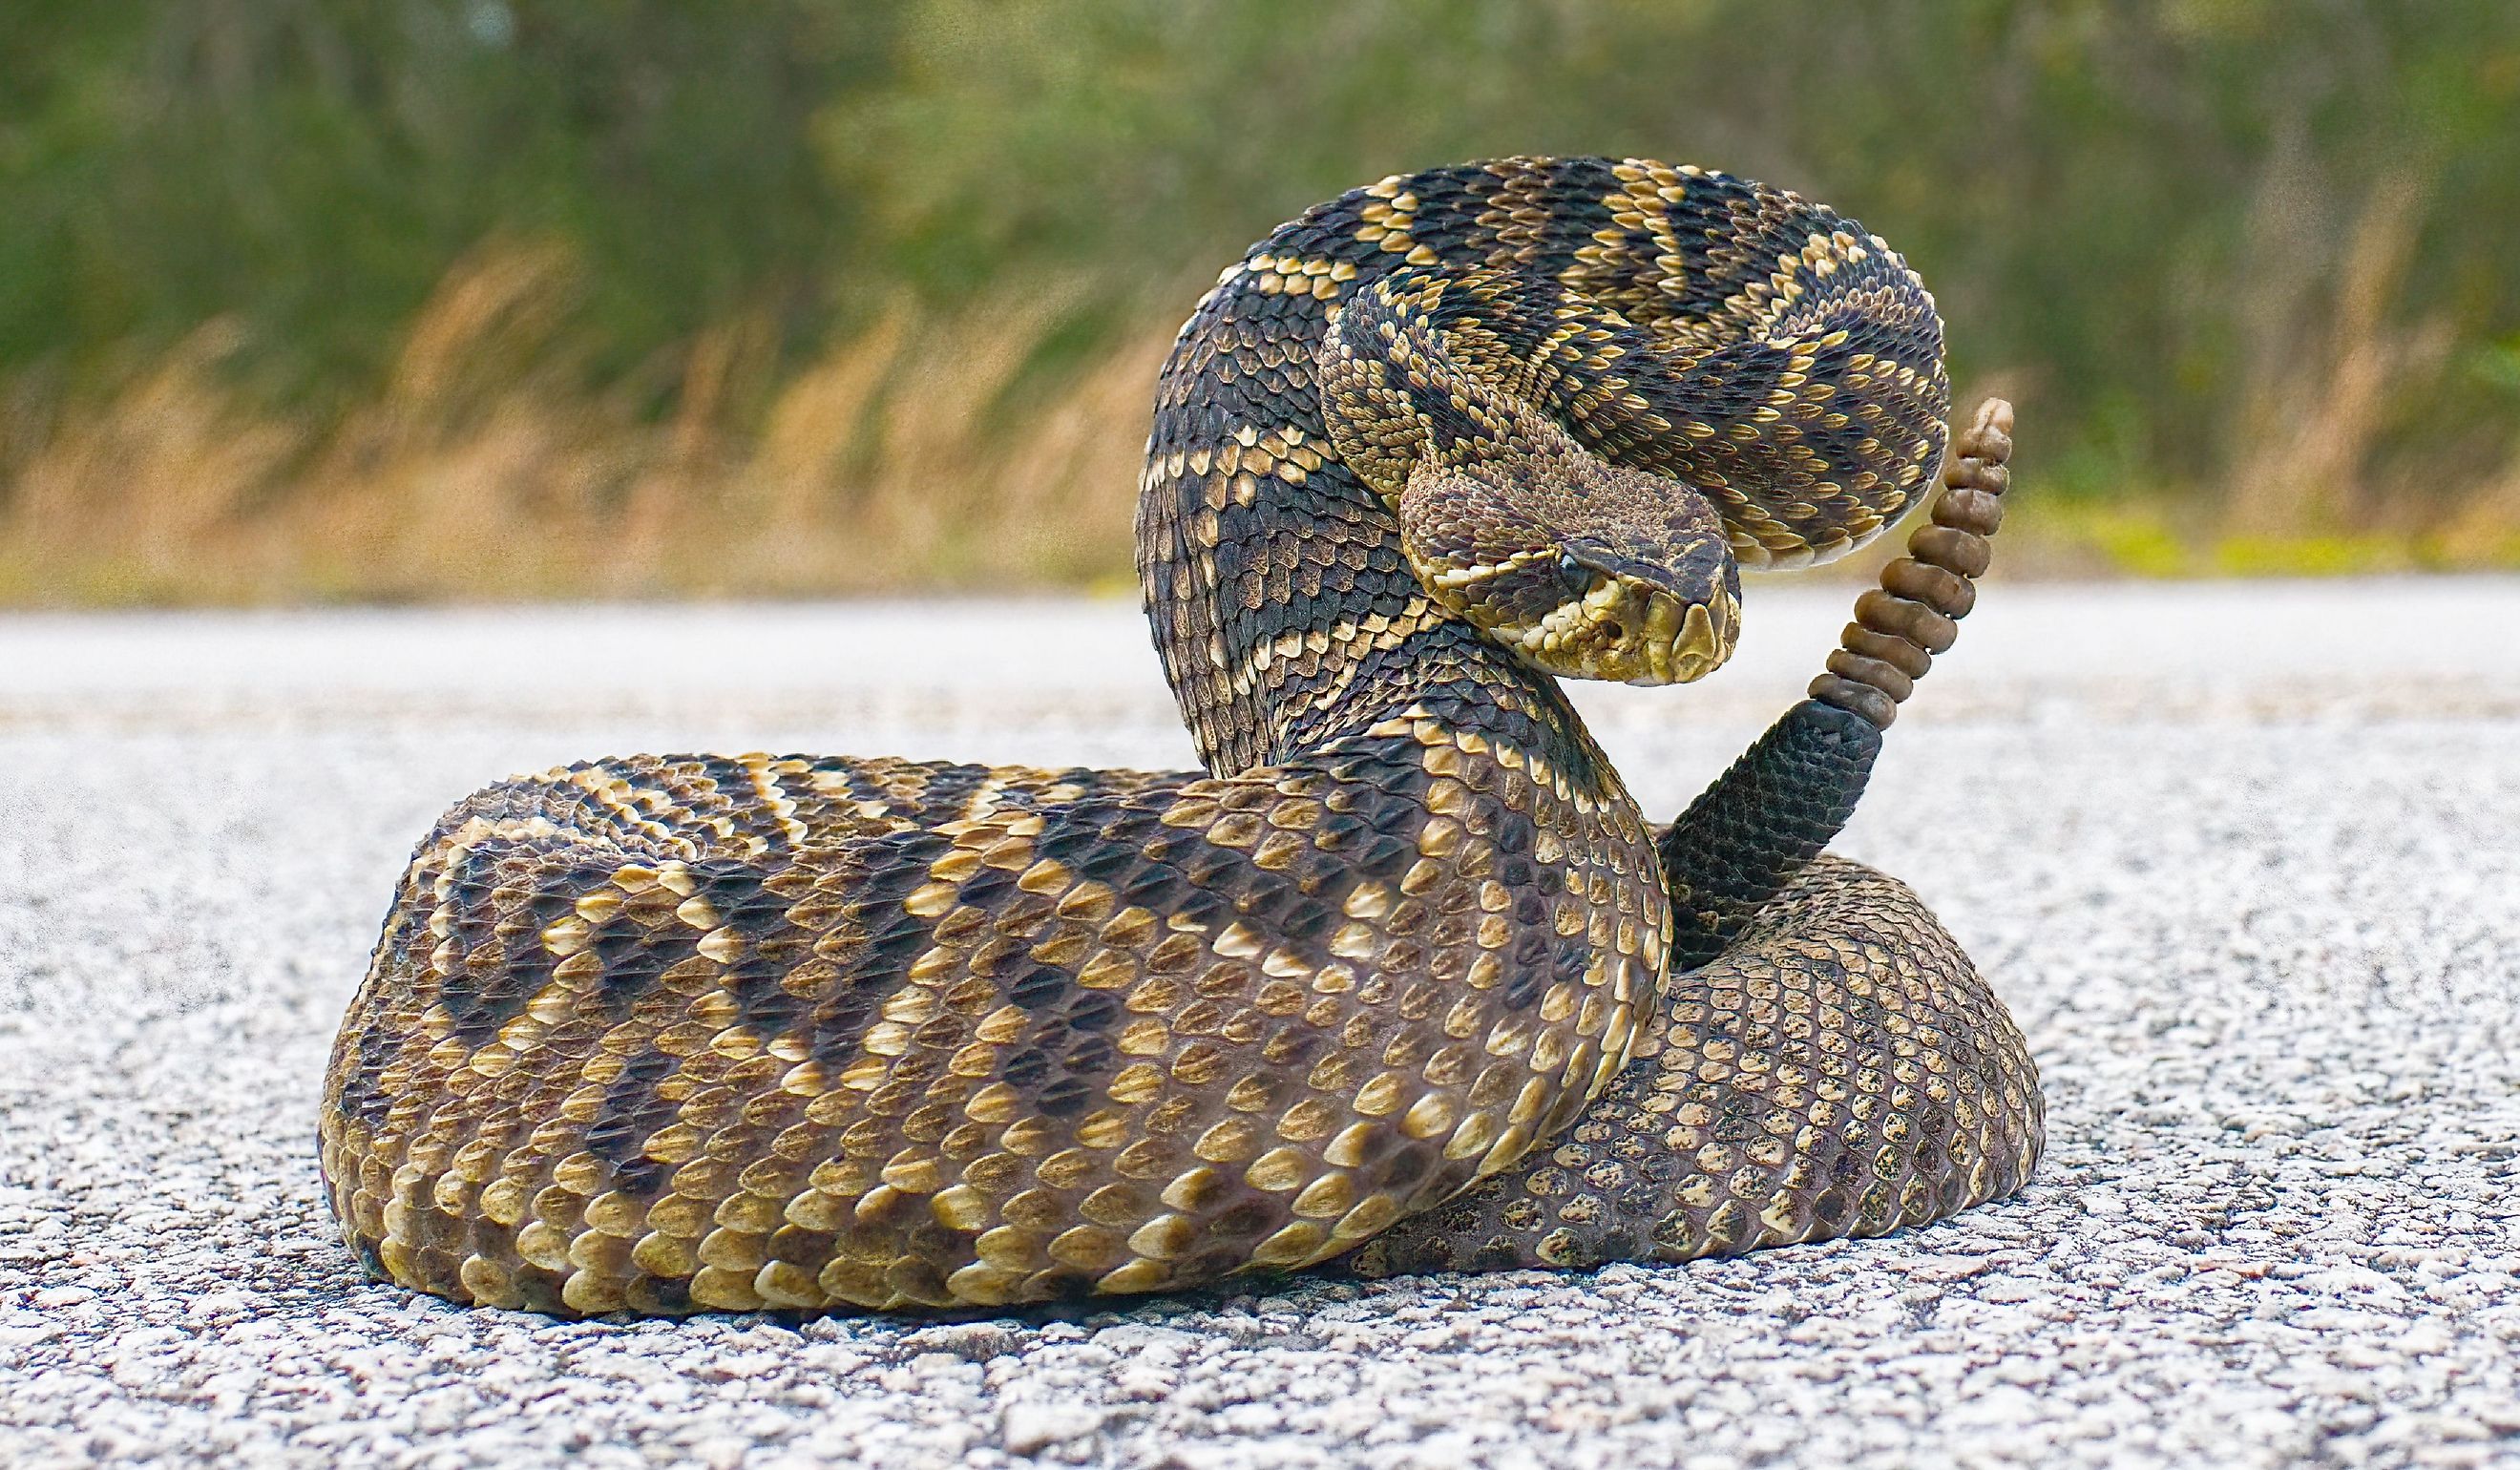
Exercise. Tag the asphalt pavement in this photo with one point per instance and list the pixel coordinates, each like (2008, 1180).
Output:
(2244, 858)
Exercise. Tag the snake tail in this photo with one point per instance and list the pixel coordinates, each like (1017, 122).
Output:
(1761, 823)
(1783, 801)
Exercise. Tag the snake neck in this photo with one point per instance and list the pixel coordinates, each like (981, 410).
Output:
(1289, 617)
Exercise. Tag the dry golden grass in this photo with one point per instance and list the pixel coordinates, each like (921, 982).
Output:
(483, 469)
(480, 471)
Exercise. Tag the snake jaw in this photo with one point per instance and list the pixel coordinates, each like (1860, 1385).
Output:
(1622, 631)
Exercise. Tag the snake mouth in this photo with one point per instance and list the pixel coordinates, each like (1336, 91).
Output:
(1682, 642)
(1682, 645)
(1624, 632)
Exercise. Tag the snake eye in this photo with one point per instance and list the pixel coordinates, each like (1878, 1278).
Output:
(1575, 574)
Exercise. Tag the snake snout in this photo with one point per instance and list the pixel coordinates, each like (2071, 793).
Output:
(1685, 641)
(1656, 620)
(1627, 630)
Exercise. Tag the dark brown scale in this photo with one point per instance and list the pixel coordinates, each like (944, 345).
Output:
(693, 1033)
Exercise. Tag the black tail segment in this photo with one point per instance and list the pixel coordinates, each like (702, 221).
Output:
(1749, 834)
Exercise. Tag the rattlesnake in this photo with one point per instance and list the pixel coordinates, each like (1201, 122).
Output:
(1403, 979)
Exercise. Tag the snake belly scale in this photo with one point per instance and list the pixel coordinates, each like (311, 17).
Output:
(1402, 978)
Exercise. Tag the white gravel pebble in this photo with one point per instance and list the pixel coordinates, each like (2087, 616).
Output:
(2245, 860)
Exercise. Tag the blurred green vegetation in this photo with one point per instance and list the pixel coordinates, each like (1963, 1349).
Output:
(449, 298)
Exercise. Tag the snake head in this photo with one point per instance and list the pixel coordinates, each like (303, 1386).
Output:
(1581, 568)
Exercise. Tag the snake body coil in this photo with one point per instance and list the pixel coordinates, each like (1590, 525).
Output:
(1403, 969)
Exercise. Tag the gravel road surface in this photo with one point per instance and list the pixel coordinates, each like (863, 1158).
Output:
(2245, 861)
